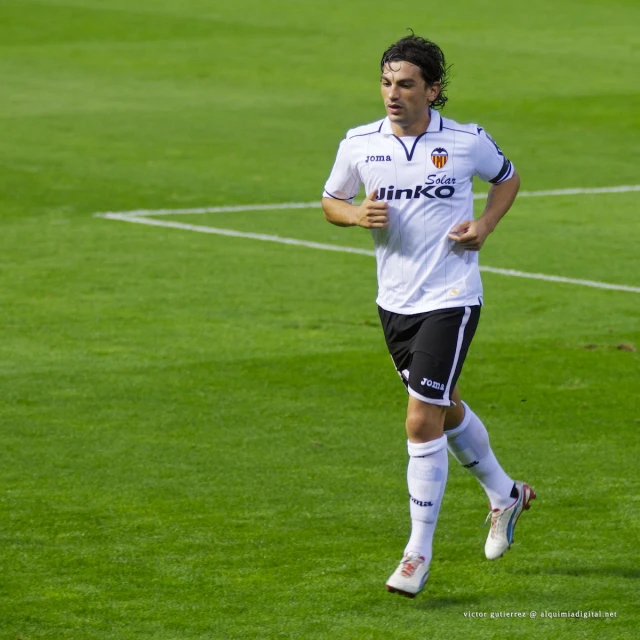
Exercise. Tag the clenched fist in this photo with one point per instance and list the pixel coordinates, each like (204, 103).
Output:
(470, 234)
(372, 213)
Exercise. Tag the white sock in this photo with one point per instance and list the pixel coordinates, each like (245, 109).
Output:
(468, 443)
(426, 478)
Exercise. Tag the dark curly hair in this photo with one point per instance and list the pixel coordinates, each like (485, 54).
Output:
(426, 55)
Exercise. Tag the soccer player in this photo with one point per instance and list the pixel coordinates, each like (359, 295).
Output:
(417, 169)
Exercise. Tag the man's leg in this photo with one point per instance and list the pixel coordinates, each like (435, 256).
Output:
(468, 443)
(428, 351)
(426, 473)
(426, 479)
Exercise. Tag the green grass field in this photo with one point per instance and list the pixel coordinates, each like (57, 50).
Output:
(201, 436)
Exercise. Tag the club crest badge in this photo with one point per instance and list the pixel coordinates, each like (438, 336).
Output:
(439, 157)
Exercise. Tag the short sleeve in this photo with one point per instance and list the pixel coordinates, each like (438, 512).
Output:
(344, 182)
(490, 163)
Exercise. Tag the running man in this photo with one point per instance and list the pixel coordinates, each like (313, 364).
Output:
(417, 169)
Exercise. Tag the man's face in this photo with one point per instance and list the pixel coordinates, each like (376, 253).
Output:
(405, 93)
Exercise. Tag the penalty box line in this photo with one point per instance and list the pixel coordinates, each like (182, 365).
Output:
(141, 216)
(353, 250)
(309, 205)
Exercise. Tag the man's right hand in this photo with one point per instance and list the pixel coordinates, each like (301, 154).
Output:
(372, 213)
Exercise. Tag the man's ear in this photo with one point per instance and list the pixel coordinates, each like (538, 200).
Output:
(434, 91)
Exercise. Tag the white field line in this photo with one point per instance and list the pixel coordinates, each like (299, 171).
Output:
(127, 217)
(548, 278)
(235, 234)
(308, 205)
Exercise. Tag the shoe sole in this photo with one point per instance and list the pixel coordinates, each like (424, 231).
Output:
(406, 594)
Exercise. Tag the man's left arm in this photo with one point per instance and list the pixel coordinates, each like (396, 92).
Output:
(471, 234)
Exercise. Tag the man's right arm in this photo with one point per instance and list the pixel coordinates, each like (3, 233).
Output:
(371, 214)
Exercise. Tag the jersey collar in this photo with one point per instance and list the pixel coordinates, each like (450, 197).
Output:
(435, 124)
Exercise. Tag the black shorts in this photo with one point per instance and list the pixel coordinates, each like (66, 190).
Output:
(429, 349)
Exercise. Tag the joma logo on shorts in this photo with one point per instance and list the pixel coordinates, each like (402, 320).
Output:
(378, 159)
(421, 503)
(432, 383)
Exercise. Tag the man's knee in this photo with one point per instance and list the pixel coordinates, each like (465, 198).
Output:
(424, 421)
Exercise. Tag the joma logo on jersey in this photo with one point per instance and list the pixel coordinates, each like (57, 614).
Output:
(439, 157)
(428, 191)
(378, 159)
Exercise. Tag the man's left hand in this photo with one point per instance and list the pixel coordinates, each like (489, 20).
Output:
(470, 234)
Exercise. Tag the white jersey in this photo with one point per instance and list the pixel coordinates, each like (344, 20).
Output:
(427, 183)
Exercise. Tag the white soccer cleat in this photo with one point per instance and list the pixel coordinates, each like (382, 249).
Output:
(503, 522)
(410, 576)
